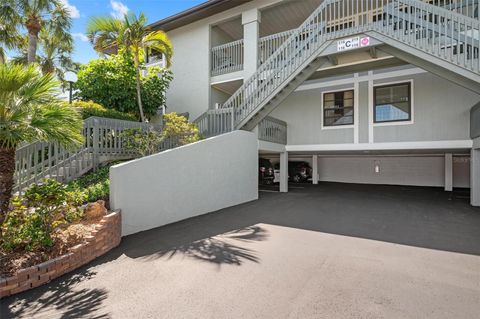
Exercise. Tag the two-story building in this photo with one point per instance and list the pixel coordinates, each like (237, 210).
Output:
(371, 91)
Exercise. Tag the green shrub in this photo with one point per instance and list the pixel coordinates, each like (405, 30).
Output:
(93, 186)
(177, 127)
(91, 108)
(147, 142)
(34, 218)
(142, 142)
(111, 82)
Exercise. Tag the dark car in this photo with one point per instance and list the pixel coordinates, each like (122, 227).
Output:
(265, 171)
(299, 171)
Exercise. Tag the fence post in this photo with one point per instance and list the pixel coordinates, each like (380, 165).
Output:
(96, 144)
(232, 126)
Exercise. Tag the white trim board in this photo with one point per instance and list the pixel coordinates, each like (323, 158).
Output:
(349, 81)
(429, 145)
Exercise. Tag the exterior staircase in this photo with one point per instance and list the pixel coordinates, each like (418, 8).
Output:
(425, 33)
(103, 143)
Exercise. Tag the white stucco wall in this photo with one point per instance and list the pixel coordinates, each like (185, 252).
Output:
(185, 182)
(190, 88)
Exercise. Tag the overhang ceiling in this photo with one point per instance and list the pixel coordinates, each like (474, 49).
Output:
(229, 87)
(280, 17)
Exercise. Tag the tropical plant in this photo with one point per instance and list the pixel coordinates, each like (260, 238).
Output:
(35, 15)
(54, 54)
(35, 216)
(9, 35)
(30, 110)
(111, 83)
(131, 33)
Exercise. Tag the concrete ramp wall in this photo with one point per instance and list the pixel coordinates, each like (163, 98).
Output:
(188, 181)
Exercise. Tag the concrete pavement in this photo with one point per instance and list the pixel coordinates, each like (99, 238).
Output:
(326, 251)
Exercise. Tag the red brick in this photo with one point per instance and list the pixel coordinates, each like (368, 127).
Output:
(21, 288)
(102, 239)
(25, 273)
(4, 293)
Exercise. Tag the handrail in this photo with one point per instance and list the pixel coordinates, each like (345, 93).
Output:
(103, 139)
(215, 122)
(270, 43)
(272, 130)
(426, 29)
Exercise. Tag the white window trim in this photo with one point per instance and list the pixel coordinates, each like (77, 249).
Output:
(396, 123)
(355, 103)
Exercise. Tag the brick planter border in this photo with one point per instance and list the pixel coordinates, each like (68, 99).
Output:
(106, 236)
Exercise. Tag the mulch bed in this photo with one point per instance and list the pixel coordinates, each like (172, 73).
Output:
(65, 238)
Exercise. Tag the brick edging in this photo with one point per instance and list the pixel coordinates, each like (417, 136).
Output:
(106, 236)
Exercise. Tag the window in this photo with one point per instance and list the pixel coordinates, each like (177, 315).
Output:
(338, 108)
(392, 103)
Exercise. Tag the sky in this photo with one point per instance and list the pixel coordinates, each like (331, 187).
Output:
(82, 10)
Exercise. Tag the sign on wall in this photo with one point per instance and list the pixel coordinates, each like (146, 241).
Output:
(352, 43)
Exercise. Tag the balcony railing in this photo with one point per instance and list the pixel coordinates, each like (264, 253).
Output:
(227, 58)
(272, 130)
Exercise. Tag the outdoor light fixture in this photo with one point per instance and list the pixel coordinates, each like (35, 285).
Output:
(70, 77)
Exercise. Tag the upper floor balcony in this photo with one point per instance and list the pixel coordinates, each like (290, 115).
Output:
(229, 57)
(279, 22)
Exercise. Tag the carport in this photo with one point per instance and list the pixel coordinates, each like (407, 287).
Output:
(448, 166)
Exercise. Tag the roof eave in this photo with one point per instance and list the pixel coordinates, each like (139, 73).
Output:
(201, 11)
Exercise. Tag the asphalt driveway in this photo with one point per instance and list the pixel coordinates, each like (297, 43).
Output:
(326, 251)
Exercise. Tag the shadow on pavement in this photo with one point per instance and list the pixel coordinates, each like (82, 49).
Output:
(59, 294)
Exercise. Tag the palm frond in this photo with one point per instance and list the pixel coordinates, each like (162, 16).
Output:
(159, 41)
(31, 110)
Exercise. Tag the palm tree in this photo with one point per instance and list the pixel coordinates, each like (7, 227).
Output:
(9, 36)
(131, 33)
(54, 54)
(34, 15)
(30, 110)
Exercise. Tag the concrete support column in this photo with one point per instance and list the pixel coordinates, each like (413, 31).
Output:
(475, 176)
(448, 172)
(315, 169)
(284, 172)
(251, 31)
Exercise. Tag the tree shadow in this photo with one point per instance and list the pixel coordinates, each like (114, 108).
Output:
(414, 216)
(57, 295)
(220, 249)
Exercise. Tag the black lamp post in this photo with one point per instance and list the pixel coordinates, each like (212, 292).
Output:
(71, 78)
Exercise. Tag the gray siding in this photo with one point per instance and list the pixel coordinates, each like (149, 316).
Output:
(302, 111)
(475, 121)
(441, 112)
